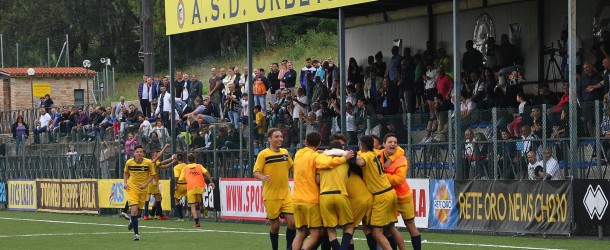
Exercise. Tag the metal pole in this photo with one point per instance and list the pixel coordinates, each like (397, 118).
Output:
(544, 121)
(67, 51)
(87, 77)
(172, 94)
(48, 52)
(456, 91)
(32, 91)
(342, 68)
(17, 45)
(494, 122)
(598, 149)
(572, 83)
(2, 50)
(113, 83)
(148, 37)
(250, 96)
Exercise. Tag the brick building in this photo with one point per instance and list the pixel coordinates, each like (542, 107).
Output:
(66, 86)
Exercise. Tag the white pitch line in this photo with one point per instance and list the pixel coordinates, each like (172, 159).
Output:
(186, 230)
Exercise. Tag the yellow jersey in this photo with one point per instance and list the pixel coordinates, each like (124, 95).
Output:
(334, 178)
(192, 174)
(277, 165)
(139, 172)
(157, 165)
(178, 170)
(306, 189)
(373, 175)
(260, 120)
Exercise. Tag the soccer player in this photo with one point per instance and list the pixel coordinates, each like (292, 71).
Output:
(138, 173)
(192, 174)
(360, 199)
(272, 167)
(179, 188)
(395, 167)
(306, 191)
(334, 204)
(153, 187)
(383, 214)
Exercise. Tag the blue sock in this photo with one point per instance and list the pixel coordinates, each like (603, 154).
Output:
(370, 241)
(134, 224)
(274, 240)
(146, 208)
(392, 242)
(159, 208)
(179, 211)
(335, 244)
(345, 241)
(290, 235)
(416, 242)
(196, 220)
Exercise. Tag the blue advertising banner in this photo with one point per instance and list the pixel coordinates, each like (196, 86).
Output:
(443, 211)
(2, 192)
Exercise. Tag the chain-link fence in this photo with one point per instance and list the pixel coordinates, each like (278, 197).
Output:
(43, 52)
(496, 144)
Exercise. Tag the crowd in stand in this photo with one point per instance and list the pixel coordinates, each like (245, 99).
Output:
(377, 94)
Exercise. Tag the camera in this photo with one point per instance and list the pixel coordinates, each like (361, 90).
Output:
(550, 50)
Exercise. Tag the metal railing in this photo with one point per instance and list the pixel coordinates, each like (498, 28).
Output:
(488, 156)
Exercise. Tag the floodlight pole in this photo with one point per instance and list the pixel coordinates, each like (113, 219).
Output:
(461, 171)
(342, 68)
(172, 94)
(572, 85)
(250, 96)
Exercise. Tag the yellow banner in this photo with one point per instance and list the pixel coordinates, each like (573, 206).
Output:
(112, 194)
(189, 15)
(41, 89)
(22, 195)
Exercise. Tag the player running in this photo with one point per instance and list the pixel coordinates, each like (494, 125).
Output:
(179, 188)
(192, 174)
(272, 167)
(138, 173)
(153, 187)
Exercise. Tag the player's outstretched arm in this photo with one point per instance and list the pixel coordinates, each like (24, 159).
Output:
(160, 153)
(210, 179)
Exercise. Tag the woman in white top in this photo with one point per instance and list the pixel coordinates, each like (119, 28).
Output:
(467, 106)
(350, 124)
(161, 131)
(230, 78)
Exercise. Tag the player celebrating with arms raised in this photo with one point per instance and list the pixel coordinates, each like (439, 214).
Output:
(272, 167)
(179, 188)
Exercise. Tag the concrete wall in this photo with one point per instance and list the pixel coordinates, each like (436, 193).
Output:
(366, 40)
(62, 91)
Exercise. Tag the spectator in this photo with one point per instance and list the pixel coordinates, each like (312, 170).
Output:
(261, 85)
(161, 132)
(144, 129)
(444, 62)
(80, 129)
(394, 64)
(478, 159)
(154, 143)
(105, 158)
(528, 142)
(47, 103)
(354, 72)
(469, 148)
(430, 85)
(438, 119)
(320, 91)
(514, 126)
(310, 88)
(589, 91)
(379, 65)
(43, 123)
(545, 96)
(73, 159)
(467, 107)
(508, 156)
(106, 124)
(164, 106)
(511, 80)
(444, 83)
(419, 81)
(64, 121)
(195, 91)
(244, 109)
(274, 82)
(507, 54)
(281, 73)
(535, 121)
(479, 89)
(130, 145)
(552, 166)
(244, 84)
(533, 166)
(472, 59)
(54, 125)
(260, 122)
(182, 85)
(290, 77)
(389, 98)
(232, 105)
(215, 86)
(144, 93)
(299, 101)
(491, 55)
(406, 83)
(429, 55)
(20, 131)
(118, 111)
(154, 90)
(362, 115)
